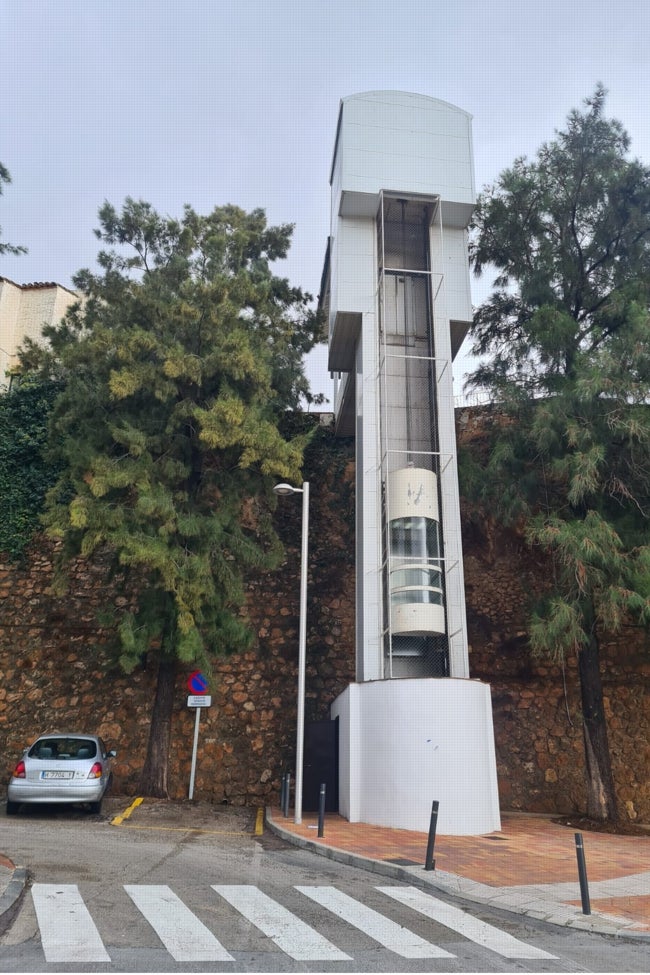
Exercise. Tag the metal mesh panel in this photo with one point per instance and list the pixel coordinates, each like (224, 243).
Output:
(417, 656)
(407, 432)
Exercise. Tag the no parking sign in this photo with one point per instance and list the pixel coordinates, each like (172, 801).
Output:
(197, 684)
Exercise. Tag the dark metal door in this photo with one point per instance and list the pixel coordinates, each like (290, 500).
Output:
(321, 764)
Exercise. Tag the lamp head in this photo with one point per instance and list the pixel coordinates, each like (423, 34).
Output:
(284, 489)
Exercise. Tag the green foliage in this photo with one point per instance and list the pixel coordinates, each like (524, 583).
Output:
(567, 336)
(595, 580)
(180, 364)
(4, 247)
(568, 235)
(25, 476)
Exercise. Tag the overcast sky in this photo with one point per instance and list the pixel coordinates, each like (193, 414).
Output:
(210, 102)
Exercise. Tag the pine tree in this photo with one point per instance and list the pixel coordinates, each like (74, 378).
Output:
(179, 363)
(566, 336)
(6, 248)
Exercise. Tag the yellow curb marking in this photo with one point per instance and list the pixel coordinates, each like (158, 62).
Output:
(259, 822)
(189, 829)
(127, 812)
(119, 821)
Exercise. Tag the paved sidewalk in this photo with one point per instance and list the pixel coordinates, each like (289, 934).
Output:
(529, 867)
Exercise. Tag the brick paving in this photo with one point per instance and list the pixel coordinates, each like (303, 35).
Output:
(635, 908)
(528, 851)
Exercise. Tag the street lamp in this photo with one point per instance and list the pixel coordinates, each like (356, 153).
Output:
(283, 490)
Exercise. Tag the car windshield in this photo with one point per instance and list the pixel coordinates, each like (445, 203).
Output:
(63, 748)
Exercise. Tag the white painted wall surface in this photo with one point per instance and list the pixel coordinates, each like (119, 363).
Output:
(404, 743)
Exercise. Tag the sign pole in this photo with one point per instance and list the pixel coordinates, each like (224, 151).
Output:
(197, 684)
(197, 712)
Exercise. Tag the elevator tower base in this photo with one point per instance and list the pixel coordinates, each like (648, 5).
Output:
(405, 743)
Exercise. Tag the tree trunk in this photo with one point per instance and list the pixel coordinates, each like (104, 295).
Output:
(601, 795)
(153, 779)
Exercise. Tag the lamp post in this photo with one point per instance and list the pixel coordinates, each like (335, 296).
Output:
(283, 490)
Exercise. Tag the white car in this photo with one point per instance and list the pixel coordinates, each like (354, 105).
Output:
(60, 768)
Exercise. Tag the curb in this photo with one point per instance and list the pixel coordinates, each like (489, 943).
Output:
(467, 890)
(341, 856)
(11, 898)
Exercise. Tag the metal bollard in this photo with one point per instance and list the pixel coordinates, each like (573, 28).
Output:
(321, 810)
(582, 874)
(430, 863)
(283, 790)
(287, 792)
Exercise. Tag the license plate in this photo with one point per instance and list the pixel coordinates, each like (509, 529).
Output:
(57, 775)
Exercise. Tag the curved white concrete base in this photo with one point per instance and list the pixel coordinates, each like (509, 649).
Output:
(404, 743)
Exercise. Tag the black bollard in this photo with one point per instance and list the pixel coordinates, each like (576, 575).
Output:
(430, 863)
(321, 810)
(582, 874)
(287, 793)
(283, 789)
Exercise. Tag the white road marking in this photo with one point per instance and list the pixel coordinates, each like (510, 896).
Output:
(288, 932)
(181, 932)
(68, 933)
(69, 936)
(388, 933)
(470, 927)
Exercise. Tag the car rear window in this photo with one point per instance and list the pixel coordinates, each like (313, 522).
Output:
(63, 748)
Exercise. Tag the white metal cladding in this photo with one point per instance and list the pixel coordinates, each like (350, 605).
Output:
(401, 141)
(407, 158)
(397, 317)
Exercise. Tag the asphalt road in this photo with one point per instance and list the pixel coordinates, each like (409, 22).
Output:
(153, 896)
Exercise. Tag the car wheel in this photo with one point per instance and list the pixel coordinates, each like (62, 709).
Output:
(12, 808)
(95, 807)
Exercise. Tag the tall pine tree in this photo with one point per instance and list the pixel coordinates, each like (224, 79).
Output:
(179, 363)
(566, 340)
(6, 248)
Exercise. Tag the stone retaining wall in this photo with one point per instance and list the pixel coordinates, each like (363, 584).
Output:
(57, 671)
(536, 704)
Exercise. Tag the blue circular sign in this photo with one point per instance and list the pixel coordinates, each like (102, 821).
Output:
(197, 682)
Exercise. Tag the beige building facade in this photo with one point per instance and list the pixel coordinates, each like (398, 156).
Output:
(25, 309)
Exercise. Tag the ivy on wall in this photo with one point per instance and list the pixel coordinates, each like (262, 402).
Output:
(25, 473)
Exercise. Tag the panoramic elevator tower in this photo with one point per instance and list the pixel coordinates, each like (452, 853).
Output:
(396, 293)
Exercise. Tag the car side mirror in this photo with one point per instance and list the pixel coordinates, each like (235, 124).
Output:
(112, 753)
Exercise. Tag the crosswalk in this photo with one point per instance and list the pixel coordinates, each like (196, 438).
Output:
(69, 933)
